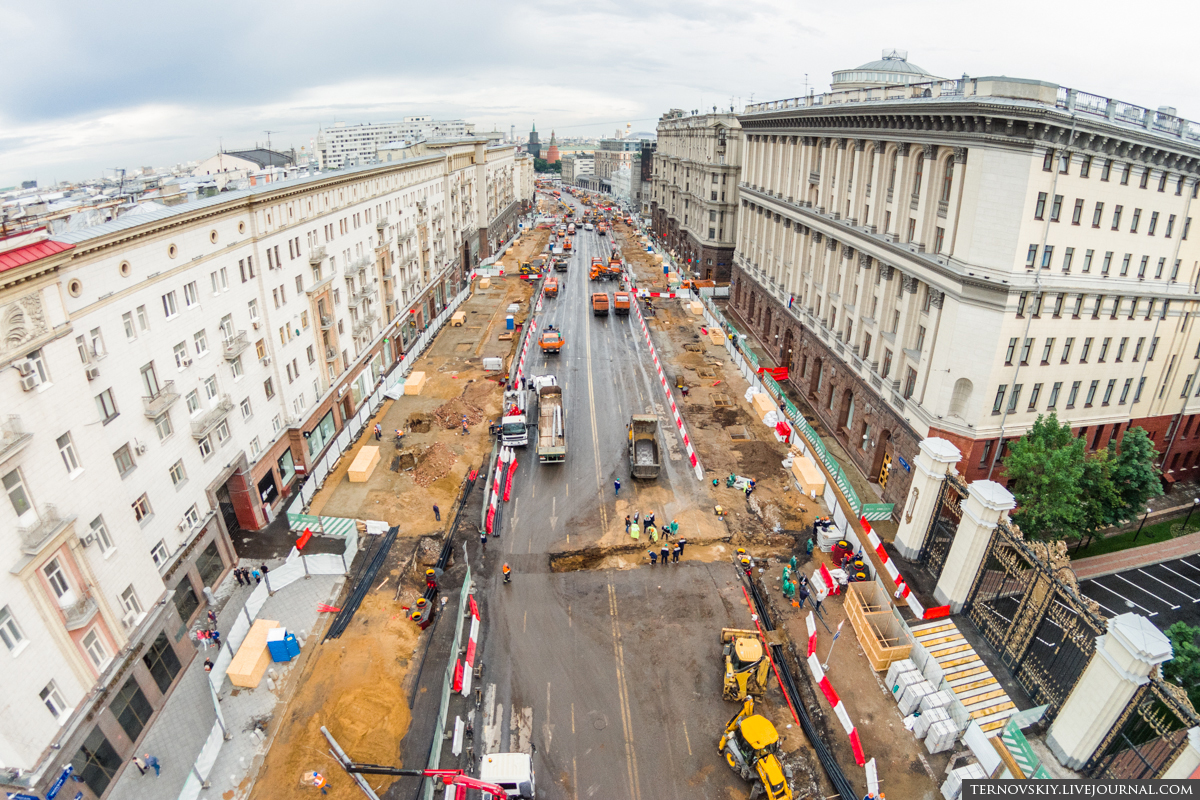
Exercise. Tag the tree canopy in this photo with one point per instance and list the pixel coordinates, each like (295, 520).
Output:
(1063, 491)
(1184, 667)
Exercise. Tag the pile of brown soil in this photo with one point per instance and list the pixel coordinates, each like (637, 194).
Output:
(434, 462)
(481, 394)
(450, 414)
(760, 460)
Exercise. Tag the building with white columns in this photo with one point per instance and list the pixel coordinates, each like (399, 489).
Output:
(169, 378)
(953, 258)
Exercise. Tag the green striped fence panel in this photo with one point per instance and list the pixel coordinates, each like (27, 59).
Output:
(298, 522)
(877, 512)
(337, 526)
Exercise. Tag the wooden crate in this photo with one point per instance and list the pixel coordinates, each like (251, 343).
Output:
(364, 464)
(808, 475)
(879, 632)
(252, 658)
(458, 319)
(763, 404)
(415, 383)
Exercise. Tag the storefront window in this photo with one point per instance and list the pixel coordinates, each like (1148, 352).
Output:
(209, 564)
(162, 662)
(132, 709)
(321, 435)
(287, 467)
(267, 490)
(186, 601)
(376, 368)
(96, 762)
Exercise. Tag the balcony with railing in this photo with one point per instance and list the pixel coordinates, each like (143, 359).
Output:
(326, 322)
(13, 437)
(79, 613)
(48, 525)
(316, 255)
(234, 345)
(204, 425)
(365, 324)
(328, 273)
(363, 292)
(156, 405)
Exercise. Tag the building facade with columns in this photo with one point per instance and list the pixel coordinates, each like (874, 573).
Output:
(694, 189)
(169, 378)
(953, 258)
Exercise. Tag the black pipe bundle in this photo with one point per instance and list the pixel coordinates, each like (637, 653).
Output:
(828, 762)
(362, 583)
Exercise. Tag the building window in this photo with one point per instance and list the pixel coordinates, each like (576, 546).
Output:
(1040, 209)
(94, 646)
(170, 305)
(1125, 391)
(1066, 351)
(161, 662)
(10, 632)
(1125, 264)
(1048, 161)
(1121, 347)
(1052, 401)
(159, 555)
(1170, 226)
(1031, 257)
(1096, 215)
(129, 601)
(1021, 300)
(210, 565)
(1104, 349)
(200, 339)
(205, 446)
(162, 426)
(1116, 218)
(1087, 261)
(124, 460)
(193, 402)
(131, 708)
(1085, 166)
(66, 449)
(1137, 348)
(999, 402)
(127, 322)
(96, 762)
(1033, 396)
(191, 517)
(14, 486)
(1137, 396)
(247, 412)
(100, 531)
(1091, 394)
(181, 356)
(887, 363)
(1073, 394)
(1137, 216)
(1153, 347)
(1107, 263)
(1025, 348)
(1162, 264)
(1047, 349)
(1068, 256)
(1014, 397)
(1056, 208)
(269, 388)
(910, 383)
(191, 295)
(53, 700)
(1153, 223)
(1126, 169)
(1087, 348)
(1108, 390)
(178, 473)
(141, 508)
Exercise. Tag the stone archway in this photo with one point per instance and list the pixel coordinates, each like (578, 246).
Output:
(785, 350)
(814, 382)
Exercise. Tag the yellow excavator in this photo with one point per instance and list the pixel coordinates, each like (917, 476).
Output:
(750, 746)
(746, 664)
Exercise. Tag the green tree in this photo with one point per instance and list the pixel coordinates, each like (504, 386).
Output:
(542, 165)
(1045, 469)
(1184, 667)
(1135, 479)
(1098, 496)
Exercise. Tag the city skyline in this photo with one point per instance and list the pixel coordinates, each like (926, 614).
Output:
(76, 121)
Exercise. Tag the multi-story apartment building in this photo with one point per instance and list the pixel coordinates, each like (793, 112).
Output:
(694, 193)
(165, 378)
(612, 154)
(355, 145)
(576, 166)
(953, 258)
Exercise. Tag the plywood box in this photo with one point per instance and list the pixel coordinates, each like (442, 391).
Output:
(252, 658)
(485, 283)
(415, 383)
(364, 464)
(763, 404)
(808, 475)
(716, 337)
(459, 319)
(696, 307)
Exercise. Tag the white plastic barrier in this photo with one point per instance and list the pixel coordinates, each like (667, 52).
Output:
(239, 629)
(284, 575)
(324, 564)
(256, 600)
(208, 754)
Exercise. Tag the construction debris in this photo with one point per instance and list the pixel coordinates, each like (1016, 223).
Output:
(433, 463)
(450, 414)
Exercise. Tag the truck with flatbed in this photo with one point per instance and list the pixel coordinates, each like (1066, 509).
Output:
(552, 425)
(514, 423)
(600, 304)
(643, 446)
(621, 303)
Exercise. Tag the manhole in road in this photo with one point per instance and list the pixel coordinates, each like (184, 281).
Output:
(600, 722)
(738, 433)
(721, 401)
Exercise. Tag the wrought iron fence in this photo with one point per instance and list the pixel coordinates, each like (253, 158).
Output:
(1148, 737)
(943, 523)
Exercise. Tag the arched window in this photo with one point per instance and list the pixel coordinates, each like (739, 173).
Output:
(958, 400)
(948, 180)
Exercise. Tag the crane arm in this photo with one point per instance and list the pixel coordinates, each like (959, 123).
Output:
(449, 777)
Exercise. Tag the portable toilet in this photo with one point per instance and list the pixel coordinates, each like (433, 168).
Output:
(509, 322)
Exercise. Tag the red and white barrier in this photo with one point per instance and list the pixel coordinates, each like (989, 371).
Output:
(839, 708)
(662, 379)
(472, 645)
(812, 633)
(512, 468)
(647, 293)
(494, 491)
(902, 589)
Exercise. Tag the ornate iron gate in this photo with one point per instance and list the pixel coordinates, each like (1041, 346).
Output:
(1148, 737)
(1025, 604)
(947, 513)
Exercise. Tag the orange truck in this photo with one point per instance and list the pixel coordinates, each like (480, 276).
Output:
(551, 288)
(600, 304)
(551, 341)
(603, 228)
(566, 245)
(621, 303)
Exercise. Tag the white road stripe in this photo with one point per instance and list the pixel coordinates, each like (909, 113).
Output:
(1169, 586)
(1123, 597)
(1145, 591)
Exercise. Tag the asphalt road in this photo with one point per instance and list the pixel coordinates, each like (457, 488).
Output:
(1165, 593)
(619, 670)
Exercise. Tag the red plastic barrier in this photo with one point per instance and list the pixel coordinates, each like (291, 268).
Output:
(508, 483)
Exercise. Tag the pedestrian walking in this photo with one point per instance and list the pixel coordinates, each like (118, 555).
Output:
(257, 576)
(378, 432)
(139, 763)
(151, 761)
(237, 574)
(653, 556)
(318, 780)
(483, 539)
(466, 430)
(208, 665)
(263, 569)
(437, 513)
(676, 553)
(627, 523)
(634, 531)
(664, 552)
(616, 488)
(682, 543)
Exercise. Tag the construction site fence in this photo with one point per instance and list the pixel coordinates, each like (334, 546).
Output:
(294, 568)
(338, 526)
(439, 725)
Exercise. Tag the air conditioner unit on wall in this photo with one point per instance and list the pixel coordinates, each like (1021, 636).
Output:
(186, 361)
(30, 382)
(139, 448)
(92, 373)
(24, 367)
(129, 620)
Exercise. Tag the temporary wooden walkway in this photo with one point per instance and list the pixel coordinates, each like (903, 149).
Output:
(972, 682)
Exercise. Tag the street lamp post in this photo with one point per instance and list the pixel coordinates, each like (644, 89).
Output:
(1139, 530)
(1195, 502)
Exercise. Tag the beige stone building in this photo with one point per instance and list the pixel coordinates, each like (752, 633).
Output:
(953, 258)
(694, 193)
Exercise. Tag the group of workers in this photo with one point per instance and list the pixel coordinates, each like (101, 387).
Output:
(636, 524)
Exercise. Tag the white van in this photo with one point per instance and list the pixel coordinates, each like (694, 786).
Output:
(512, 772)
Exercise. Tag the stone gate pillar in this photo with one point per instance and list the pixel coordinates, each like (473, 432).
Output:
(936, 458)
(1124, 659)
(986, 502)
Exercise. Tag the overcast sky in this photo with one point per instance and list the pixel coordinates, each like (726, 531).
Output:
(92, 86)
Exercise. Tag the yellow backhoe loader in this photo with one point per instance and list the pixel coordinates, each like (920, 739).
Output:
(746, 664)
(750, 746)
